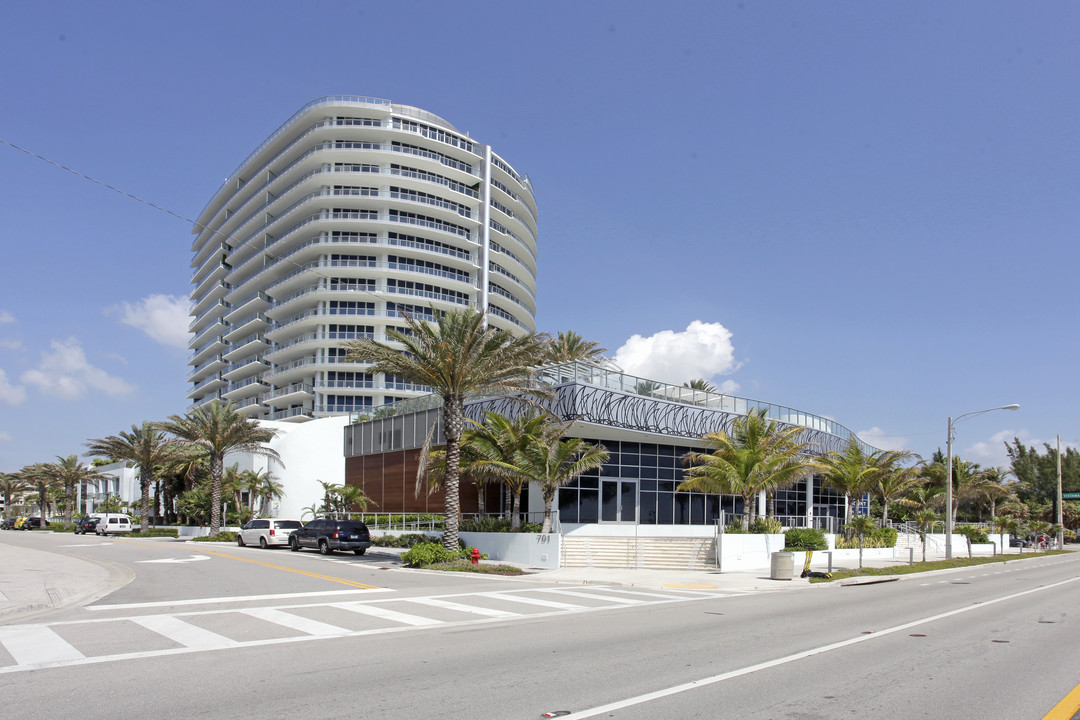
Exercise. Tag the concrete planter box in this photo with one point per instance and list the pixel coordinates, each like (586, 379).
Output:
(738, 551)
(186, 532)
(529, 549)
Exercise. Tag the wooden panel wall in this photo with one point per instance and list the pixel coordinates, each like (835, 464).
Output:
(389, 479)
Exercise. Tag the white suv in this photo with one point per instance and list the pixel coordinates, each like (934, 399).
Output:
(267, 532)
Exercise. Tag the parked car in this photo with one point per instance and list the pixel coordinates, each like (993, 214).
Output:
(8, 523)
(330, 535)
(32, 523)
(1019, 542)
(86, 523)
(266, 532)
(112, 523)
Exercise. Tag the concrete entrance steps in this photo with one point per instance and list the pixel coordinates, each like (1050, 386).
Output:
(908, 540)
(638, 553)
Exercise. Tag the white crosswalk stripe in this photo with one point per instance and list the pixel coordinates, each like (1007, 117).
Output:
(186, 634)
(71, 642)
(32, 644)
(296, 622)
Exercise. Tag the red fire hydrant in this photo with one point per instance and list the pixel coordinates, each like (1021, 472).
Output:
(475, 554)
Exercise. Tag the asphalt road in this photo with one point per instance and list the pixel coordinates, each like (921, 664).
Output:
(248, 633)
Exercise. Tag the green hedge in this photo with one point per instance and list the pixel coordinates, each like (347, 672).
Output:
(797, 539)
(432, 553)
(876, 538)
(223, 536)
(407, 540)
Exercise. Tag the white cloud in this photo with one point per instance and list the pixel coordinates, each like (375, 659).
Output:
(6, 437)
(66, 373)
(878, 438)
(11, 344)
(6, 317)
(729, 387)
(701, 351)
(10, 394)
(991, 453)
(164, 318)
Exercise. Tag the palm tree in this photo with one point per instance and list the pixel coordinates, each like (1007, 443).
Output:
(551, 461)
(267, 491)
(700, 384)
(70, 474)
(146, 447)
(181, 475)
(216, 429)
(968, 480)
(925, 520)
(1003, 524)
(861, 526)
(568, 346)
(456, 355)
(496, 447)
(893, 480)
(233, 482)
(851, 472)
(44, 480)
(11, 486)
(759, 455)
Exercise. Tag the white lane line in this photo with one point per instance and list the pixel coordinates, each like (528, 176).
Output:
(676, 689)
(32, 644)
(459, 607)
(386, 614)
(295, 622)
(87, 545)
(186, 634)
(235, 598)
(530, 601)
(593, 596)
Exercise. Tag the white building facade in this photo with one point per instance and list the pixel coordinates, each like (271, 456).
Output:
(352, 212)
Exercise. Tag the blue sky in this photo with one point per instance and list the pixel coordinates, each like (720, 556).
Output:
(863, 210)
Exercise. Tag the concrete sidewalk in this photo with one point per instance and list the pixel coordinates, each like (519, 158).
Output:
(35, 582)
(751, 580)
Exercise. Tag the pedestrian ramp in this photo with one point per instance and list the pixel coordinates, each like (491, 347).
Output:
(138, 636)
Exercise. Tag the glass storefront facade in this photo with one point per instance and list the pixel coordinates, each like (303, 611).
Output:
(638, 483)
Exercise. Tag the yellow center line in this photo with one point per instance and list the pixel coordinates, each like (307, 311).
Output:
(343, 581)
(1067, 707)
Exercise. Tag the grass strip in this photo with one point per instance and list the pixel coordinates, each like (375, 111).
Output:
(932, 565)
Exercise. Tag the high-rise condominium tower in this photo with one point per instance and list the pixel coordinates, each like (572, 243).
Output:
(353, 211)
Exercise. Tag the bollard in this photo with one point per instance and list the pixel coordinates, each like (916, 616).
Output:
(830, 560)
(911, 556)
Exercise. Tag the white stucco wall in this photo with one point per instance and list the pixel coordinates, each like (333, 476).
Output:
(310, 452)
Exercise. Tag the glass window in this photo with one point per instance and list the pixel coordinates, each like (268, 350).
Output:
(568, 505)
(589, 506)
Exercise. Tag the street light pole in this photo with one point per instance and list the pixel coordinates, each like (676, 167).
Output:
(948, 474)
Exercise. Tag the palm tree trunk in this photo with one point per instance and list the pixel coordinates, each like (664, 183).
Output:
(216, 463)
(515, 510)
(547, 513)
(453, 419)
(144, 507)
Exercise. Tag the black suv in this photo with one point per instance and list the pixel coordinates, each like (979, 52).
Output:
(86, 524)
(331, 535)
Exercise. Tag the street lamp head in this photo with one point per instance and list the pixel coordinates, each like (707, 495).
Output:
(1014, 406)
